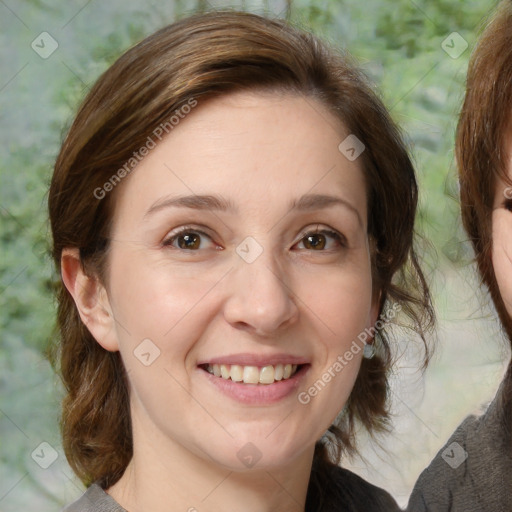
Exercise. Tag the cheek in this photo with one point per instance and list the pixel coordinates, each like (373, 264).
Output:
(153, 301)
(340, 312)
(502, 254)
(341, 300)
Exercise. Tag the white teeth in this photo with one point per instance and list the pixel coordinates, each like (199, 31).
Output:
(224, 371)
(253, 374)
(267, 375)
(237, 373)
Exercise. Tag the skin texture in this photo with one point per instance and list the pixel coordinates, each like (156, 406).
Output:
(501, 232)
(260, 153)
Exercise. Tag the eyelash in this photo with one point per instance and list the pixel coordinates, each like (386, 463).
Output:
(169, 241)
(340, 239)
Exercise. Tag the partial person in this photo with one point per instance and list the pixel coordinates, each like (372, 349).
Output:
(472, 473)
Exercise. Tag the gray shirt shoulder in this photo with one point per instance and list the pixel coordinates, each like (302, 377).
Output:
(95, 499)
(472, 472)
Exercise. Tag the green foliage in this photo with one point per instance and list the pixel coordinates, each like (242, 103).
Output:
(26, 308)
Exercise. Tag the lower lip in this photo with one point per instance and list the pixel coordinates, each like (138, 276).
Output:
(258, 394)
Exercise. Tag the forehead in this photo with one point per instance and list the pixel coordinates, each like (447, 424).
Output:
(254, 148)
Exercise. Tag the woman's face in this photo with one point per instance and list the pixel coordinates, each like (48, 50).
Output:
(240, 254)
(502, 233)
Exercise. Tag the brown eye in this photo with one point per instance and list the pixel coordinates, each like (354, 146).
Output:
(189, 241)
(322, 240)
(315, 242)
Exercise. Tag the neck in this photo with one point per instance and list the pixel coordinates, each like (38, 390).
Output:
(164, 476)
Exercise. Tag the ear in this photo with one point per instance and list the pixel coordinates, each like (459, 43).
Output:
(91, 299)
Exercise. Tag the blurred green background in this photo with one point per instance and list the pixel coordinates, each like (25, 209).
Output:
(410, 51)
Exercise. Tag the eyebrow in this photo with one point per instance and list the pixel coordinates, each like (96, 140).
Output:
(194, 202)
(320, 201)
(218, 203)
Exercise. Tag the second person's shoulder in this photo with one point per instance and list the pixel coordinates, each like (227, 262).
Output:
(471, 471)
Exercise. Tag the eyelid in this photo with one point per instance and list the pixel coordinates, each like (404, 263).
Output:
(171, 236)
(334, 233)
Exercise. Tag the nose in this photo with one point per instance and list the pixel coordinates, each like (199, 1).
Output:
(260, 299)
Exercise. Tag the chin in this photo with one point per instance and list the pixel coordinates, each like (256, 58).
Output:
(259, 454)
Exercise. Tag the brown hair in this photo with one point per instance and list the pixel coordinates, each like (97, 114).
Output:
(143, 89)
(480, 147)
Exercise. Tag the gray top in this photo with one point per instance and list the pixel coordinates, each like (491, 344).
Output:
(95, 499)
(344, 491)
(473, 471)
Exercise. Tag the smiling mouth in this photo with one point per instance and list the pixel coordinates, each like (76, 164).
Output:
(252, 374)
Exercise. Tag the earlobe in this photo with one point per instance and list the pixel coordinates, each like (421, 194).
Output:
(91, 299)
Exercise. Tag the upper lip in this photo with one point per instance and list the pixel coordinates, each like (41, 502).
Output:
(255, 359)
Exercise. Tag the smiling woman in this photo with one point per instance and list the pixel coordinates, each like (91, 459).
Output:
(248, 251)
